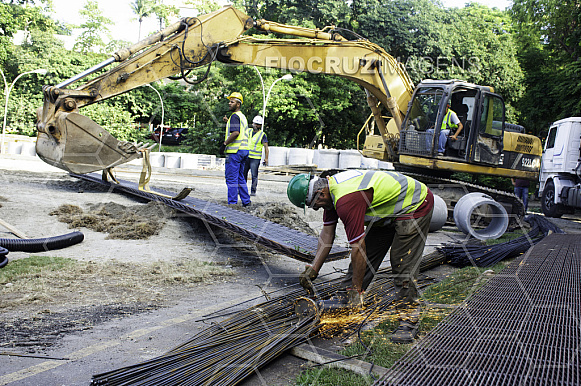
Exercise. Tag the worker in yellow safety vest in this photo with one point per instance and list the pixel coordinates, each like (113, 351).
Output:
(235, 147)
(256, 143)
(450, 122)
(379, 209)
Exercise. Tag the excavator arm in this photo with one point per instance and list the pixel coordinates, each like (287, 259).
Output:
(73, 142)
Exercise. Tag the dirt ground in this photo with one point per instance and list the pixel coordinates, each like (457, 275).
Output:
(128, 300)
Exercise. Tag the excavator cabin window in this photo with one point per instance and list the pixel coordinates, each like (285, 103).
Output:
(421, 117)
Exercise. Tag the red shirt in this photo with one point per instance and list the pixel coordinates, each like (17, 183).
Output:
(351, 210)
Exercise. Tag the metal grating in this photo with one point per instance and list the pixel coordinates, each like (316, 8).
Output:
(522, 328)
(416, 142)
(279, 238)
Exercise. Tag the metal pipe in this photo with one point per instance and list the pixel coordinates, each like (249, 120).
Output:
(85, 73)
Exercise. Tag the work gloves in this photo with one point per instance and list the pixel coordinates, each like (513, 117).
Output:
(306, 279)
(222, 148)
(355, 298)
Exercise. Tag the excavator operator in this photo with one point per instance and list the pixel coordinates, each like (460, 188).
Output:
(450, 121)
(396, 211)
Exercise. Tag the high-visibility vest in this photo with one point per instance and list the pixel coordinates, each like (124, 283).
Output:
(241, 142)
(447, 122)
(394, 194)
(255, 145)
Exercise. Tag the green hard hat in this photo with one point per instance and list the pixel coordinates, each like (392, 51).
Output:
(298, 188)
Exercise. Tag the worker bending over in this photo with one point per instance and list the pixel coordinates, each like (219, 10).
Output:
(396, 211)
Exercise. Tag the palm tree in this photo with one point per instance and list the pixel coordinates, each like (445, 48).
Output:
(142, 8)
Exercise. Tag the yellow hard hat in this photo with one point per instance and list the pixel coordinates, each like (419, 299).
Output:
(238, 96)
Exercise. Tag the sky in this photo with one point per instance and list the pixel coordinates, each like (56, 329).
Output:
(126, 26)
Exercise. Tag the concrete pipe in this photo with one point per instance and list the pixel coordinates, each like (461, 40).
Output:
(480, 207)
(440, 214)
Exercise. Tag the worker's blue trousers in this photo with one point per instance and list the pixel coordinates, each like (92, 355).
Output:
(235, 180)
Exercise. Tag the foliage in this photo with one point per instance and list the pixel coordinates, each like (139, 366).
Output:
(164, 12)
(15, 17)
(305, 13)
(94, 27)
(142, 9)
(203, 7)
(41, 51)
(115, 120)
(549, 41)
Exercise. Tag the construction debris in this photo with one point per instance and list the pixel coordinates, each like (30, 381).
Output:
(121, 222)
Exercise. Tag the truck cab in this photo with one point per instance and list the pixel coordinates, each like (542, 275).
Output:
(560, 176)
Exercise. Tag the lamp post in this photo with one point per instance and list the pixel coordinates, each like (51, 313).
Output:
(263, 94)
(162, 112)
(7, 91)
(284, 77)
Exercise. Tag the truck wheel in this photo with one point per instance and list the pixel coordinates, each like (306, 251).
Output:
(550, 209)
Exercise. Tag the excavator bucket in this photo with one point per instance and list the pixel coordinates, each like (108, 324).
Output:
(77, 144)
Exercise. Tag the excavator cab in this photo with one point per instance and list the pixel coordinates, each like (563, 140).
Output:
(480, 112)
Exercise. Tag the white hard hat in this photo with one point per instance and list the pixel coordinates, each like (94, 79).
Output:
(257, 119)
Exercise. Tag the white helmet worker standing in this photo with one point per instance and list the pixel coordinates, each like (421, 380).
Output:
(256, 141)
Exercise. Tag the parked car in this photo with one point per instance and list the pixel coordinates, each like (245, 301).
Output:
(171, 135)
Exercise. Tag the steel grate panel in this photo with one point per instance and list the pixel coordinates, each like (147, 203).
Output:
(279, 238)
(523, 327)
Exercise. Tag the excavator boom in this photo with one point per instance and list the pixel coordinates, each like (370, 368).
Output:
(70, 141)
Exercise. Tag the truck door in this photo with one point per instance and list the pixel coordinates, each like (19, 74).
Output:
(547, 163)
(488, 130)
(560, 149)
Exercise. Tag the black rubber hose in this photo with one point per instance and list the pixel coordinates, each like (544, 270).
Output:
(42, 245)
(3, 258)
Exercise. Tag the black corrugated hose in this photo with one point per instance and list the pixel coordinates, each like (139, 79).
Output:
(3, 258)
(488, 255)
(37, 245)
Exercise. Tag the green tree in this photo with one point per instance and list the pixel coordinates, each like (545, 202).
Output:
(94, 27)
(142, 9)
(14, 17)
(305, 13)
(164, 12)
(203, 7)
(484, 43)
(549, 41)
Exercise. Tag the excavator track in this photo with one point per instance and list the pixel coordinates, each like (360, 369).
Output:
(452, 190)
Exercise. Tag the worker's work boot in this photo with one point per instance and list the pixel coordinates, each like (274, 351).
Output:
(404, 333)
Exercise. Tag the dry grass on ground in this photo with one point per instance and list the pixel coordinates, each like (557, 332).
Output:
(119, 221)
(56, 282)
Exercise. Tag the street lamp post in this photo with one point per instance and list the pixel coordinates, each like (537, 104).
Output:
(7, 91)
(263, 94)
(162, 112)
(284, 77)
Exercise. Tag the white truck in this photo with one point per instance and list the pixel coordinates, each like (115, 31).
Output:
(560, 177)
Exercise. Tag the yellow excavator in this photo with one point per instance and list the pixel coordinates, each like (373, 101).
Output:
(408, 118)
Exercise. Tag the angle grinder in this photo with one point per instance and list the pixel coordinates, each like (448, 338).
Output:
(307, 308)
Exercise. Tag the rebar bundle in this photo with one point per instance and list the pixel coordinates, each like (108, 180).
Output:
(521, 328)
(485, 256)
(228, 351)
